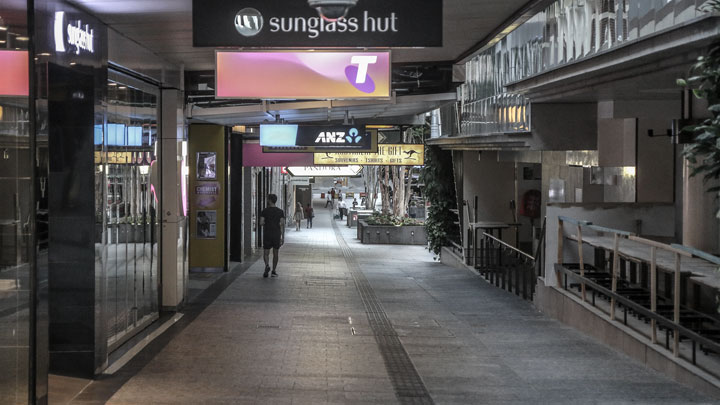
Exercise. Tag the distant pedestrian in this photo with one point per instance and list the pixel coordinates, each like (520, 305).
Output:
(355, 203)
(272, 219)
(329, 200)
(341, 208)
(309, 215)
(298, 216)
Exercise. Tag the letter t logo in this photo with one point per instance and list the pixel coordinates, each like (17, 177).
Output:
(363, 62)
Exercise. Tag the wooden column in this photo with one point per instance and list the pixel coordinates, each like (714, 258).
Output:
(616, 261)
(653, 290)
(582, 261)
(560, 241)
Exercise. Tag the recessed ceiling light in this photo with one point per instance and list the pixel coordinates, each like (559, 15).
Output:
(122, 87)
(44, 54)
(22, 38)
(112, 84)
(3, 28)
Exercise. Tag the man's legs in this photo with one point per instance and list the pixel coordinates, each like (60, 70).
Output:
(276, 251)
(266, 258)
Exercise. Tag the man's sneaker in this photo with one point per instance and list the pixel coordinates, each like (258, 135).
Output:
(274, 274)
(267, 270)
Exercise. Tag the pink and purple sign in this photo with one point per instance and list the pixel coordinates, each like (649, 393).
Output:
(302, 75)
(253, 156)
(14, 79)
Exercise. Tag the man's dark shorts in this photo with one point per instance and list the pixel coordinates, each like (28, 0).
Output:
(271, 242)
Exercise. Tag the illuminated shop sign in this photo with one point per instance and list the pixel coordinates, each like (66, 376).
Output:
(399, 155)
(328, 171)
(285, 23)
(14, 74)
(311, 138)
(302, 75)
(72, 35)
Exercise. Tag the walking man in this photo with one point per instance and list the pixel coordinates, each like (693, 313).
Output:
(272, 219)
(341, 208)
(309, 215)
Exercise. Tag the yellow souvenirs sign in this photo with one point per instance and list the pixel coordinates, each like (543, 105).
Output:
(398, 155)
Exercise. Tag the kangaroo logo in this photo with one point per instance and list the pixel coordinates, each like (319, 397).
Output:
(353, 136)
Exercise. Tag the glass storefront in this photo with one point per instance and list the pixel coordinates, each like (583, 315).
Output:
(127, 205)
(17, 207)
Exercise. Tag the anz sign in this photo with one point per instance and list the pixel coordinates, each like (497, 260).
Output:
(311, 138)
(351, 137)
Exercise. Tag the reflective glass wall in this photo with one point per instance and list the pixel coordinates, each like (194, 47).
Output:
(127, 205)
(17, 206)
(564, 32)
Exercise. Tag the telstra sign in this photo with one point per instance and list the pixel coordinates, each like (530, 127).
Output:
(302, 75)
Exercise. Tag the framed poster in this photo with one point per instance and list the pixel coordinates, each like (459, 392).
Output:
(206, 165)
(206, 225)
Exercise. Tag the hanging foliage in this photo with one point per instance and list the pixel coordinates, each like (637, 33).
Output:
(704, 80)
(439, 183)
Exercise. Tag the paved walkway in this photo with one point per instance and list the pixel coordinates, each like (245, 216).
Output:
(317, 335)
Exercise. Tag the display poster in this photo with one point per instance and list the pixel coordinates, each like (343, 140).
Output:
(206, 224)
(206, 165)
(399, 155)
(207, 194)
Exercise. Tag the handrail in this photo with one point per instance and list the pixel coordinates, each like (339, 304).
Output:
(715, 346)
(516, 250)
(603, 229)
(574, 221)
(663, 246)
(698, 253)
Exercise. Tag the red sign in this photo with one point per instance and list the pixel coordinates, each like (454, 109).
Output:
(14, 79)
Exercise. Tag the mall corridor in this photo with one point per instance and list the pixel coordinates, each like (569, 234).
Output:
(347, 323)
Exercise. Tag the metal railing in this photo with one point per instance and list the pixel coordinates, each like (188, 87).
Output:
(678, 322)
(506, 267)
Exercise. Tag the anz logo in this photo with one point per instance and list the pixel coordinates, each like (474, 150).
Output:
(352, 136)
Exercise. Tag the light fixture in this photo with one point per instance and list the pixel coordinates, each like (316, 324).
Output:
(23, 39)
(112, 84)
(3, 28)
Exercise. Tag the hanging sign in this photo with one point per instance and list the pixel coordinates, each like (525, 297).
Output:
(387, 154)
(73, 36)
(285, 23)
(302, 75)
(311, 138)
(329, 171)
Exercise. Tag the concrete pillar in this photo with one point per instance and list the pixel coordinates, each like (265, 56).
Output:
(700, 224)
(174, 274)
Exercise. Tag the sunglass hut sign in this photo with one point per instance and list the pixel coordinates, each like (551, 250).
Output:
(284, 23)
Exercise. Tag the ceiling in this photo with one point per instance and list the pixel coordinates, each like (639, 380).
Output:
(399, 110)
(165, 27)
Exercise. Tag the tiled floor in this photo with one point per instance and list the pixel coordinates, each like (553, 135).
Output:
(305, 338)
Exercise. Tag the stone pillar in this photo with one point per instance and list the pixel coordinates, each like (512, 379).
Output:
(700, 224)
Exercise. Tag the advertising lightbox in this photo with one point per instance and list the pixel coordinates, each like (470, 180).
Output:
(294, 23)
(317, 138)
(387, 155)
(302, 75)
(14, 75)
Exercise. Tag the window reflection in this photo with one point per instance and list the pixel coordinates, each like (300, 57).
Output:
(126, 161)
(565, 31)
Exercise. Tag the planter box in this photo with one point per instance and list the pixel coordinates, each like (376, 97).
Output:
(391, 235)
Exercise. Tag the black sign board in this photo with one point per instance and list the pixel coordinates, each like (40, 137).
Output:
(311, 138)
(293, 23)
